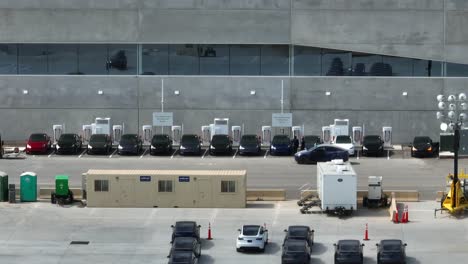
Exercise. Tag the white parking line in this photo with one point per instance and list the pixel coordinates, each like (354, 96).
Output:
(266, 154)
(143, 153)
(82, 153)
(51, 154)
(112, 154)
(173, 154)
(388, 154)
(235, 154)
(204, 154)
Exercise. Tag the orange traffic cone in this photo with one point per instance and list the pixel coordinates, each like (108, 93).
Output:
(395, 217)
(366, 234)
(209, 232)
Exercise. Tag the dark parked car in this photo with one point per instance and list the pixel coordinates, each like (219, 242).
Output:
(391, 251)
(372, 145)
(295, 252)
(69, 143)
(161, 144)
(183, 257)
(298, 232)
(185, 229)
(1, 147)
(321, 153)
(130, 143)
(220, 144)
(311, 141)
(281, 145)
(349, 252)
(190, 244)
(99, 143)
(250, 144)
(423, 147)
(38, 143)
(190, 144)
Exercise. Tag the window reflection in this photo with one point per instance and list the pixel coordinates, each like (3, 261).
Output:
(8, 59)
(274, 60)
(307, 61)
(32, 59)
(245, 59)
(155, 59)
(122, 59)
(183, 59)
(457, 70)
(63, 59)
(214, 59)
(335, 62)
(363, 62)
(92, 59)
(399, 66)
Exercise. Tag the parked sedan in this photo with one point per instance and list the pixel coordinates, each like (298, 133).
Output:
(300, 233)
(295, 252)
(190, 244)
(281, 145)
(391, 251)
(161, 144)
(250, 144)
(372, 145)
(38, 143)
(99, 143)
(345, 142)
(220, 144)
(252, 237)
(183, 257)
(190, 144)
(69, 143)
(130, 143)
(423, 146)
(185, 229)
(321, 153)
(349, 252)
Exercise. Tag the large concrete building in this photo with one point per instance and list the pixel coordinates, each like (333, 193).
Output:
(67, 62)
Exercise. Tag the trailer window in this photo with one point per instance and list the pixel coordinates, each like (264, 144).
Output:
(164, 186)
(228, 186)
(101, 185)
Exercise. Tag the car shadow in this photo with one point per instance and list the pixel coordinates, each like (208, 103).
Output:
(318, 249)
(260, 205)
(206, 259)
(272, 248)
(368, 260)
(206, 244)
(411, 260)
(317, 260)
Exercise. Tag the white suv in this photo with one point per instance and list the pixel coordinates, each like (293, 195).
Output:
(252, 237)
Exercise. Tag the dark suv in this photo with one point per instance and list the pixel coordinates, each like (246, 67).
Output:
(69, 143)
(220, 144)
(161, 144)
(349, 252)
(185, 229)
(99, 143)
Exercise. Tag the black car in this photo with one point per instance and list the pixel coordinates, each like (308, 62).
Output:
(391, 251)
(190, 144)
(349, 252)
(183, 257)
(1, 147)
(310, 142)
(220, 144)
(321, 153)
(190, 244)
(281, 145)
(250, 144)
(295, 252)
(69, 143)
(131, 144)
(185, 229)
(372, 145)
(161, 144)
(424, 147)
(99, 143)
(298, 232)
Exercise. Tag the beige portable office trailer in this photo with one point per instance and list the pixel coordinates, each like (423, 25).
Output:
(166, 188)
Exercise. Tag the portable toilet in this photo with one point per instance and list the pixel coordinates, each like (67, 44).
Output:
(28, 187)
(3, 187)
(61, 185)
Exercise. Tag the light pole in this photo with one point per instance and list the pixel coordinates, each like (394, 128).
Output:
(452, 110)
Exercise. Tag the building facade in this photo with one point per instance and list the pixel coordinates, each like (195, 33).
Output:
(67, 62)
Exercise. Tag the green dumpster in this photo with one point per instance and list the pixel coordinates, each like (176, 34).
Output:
(3, 187)
(28, 187)
(61, 185)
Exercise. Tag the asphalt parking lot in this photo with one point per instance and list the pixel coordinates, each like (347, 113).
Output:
(42, 233)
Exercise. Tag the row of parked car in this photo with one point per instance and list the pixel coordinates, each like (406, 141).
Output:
(296, 248)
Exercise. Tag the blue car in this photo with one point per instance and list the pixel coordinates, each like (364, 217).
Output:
(281, 145)
(321, 153)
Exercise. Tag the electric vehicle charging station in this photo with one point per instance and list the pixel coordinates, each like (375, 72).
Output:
(102, 125)
(87, 131)
(117, 132)
(147, 134)
(236, 135)
(266, 135)
(206, 135)
(220, 127)
(176, 135)
(357, 135)
(387, 136)
(326, 134)
(297, 132)
(58, 131)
